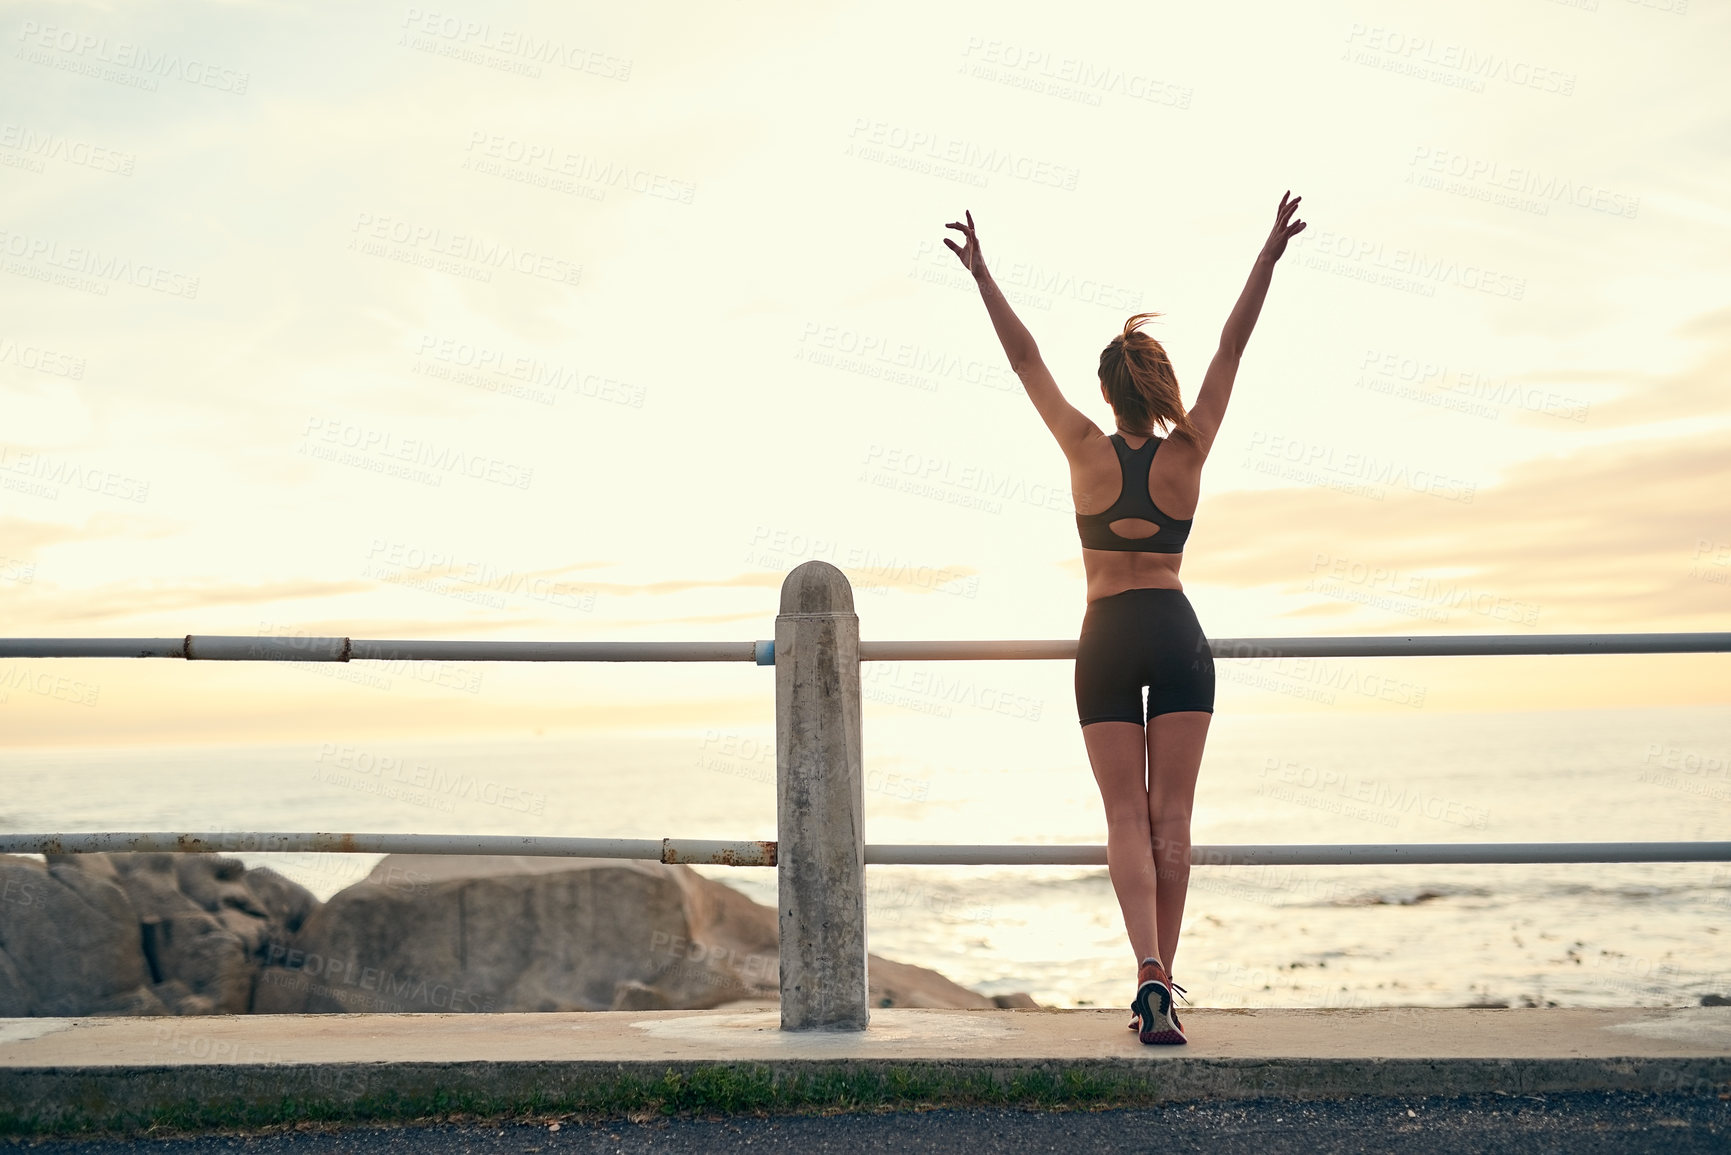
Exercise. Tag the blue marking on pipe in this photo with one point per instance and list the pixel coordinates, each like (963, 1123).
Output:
(764, 652)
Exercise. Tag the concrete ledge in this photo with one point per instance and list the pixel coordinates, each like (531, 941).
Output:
(62, 1076)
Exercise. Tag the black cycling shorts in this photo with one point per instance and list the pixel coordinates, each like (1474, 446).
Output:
(1142, 637)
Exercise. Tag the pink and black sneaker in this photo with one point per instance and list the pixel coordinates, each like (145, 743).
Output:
(1155, 1021)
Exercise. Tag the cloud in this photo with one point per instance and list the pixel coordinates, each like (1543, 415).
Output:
(1618, 537)
(40, 603)
(23, 537)
(1702, 390)
(910, 578)
(676, 585)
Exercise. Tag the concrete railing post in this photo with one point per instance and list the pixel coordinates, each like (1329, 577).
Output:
(820, 807)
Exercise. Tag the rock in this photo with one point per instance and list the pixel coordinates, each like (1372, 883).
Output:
(1019, 1001)
(897, 984)
(458, 933)
(196, 934)
(1715, 1001)
(183, 943)
(15, 993)
(205, 922)
(287, 904)
(69, 944)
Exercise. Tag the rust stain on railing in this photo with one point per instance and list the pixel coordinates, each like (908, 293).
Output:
(695, 852)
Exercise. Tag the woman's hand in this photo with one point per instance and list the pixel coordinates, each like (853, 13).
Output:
(1285, 228)
(969, 253)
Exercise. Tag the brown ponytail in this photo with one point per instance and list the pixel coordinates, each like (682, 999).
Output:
(1140, 382)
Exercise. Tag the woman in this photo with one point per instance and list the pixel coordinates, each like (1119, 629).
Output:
(1134, 505)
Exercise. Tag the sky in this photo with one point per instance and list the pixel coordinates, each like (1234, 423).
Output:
(590, 322)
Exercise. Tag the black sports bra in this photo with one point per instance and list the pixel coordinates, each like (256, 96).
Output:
(1133, 501)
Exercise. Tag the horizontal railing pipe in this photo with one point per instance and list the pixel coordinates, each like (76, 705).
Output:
(763, 853)
(274, 842)
(1317, 854)
(1405, 646)
(93, 647)
(274, 648)
(241, 648)
(435, 651)
(709, 851)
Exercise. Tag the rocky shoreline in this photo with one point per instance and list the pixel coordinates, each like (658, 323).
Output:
(198, 934)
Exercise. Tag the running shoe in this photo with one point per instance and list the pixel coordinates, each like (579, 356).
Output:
(1149, 968)
(1136, 1020)
(1135, 1023)
(1155, 1021)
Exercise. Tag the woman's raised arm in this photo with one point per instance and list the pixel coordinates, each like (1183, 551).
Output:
(1216, 389)
(1067, 423)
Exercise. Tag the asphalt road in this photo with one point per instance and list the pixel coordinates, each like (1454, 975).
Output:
(1575, 1124)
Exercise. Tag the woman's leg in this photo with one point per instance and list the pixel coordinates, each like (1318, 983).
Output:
(1174, 755)
(1118, 751)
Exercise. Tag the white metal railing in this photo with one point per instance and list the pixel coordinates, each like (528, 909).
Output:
(699, 851)
(716, 852)
(820, 853)
(242, 648)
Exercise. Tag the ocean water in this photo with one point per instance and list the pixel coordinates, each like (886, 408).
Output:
(1575, 935)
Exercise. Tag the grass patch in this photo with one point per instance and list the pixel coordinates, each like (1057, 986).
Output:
(157, 1103)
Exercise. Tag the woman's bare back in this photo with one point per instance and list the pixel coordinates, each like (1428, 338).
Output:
(1174, 485)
